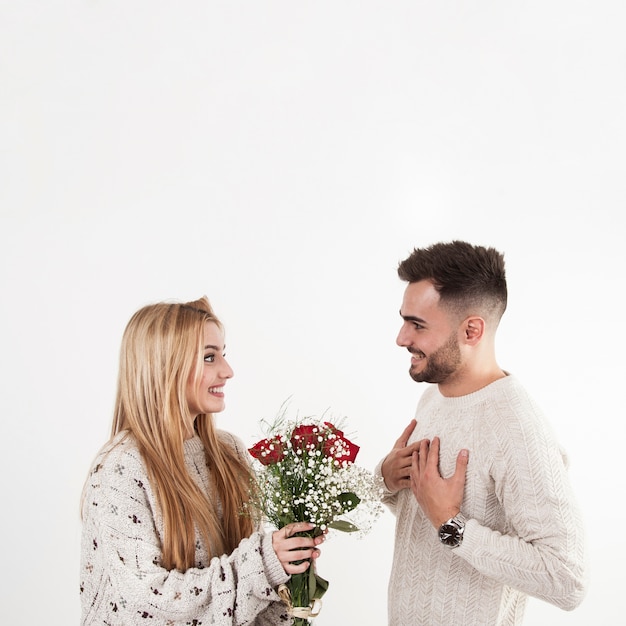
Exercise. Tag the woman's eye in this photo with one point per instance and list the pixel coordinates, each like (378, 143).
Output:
(209, 358)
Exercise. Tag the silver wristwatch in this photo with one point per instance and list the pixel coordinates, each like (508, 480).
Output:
(451, 532)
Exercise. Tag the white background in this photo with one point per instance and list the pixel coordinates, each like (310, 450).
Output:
(281, 158)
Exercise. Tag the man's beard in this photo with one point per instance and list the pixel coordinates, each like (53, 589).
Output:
(440, 364)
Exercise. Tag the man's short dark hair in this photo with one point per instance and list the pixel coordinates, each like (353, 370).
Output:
(470, 279)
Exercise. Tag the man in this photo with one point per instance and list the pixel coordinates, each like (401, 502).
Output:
(484, 510)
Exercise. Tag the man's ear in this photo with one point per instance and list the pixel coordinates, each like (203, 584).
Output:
(473, 330)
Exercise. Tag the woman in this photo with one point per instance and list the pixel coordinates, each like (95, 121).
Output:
(164, 538)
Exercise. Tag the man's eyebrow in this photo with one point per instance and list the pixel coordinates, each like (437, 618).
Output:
(412, 318)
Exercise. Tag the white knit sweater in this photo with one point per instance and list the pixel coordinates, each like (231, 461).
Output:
(122, 581)
(523, 535)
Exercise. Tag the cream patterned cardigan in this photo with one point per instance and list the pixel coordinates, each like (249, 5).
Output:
(121, 580)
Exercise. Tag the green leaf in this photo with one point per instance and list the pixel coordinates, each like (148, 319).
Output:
(348, 501)
(312, 583)
(285, 519)
(343, 526)
(317, 585)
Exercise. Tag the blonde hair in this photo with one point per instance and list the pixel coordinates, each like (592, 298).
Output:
(162, 349)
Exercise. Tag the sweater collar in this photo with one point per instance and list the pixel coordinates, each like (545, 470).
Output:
(193, 446)
(476, 397)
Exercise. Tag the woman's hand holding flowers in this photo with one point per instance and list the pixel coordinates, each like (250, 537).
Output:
(294, 550)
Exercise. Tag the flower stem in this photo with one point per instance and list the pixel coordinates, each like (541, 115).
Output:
(299, 588)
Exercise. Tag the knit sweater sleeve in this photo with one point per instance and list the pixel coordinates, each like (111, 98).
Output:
(539, 548)
(121, 549)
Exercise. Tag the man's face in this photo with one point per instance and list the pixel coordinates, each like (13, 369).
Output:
(428, 334)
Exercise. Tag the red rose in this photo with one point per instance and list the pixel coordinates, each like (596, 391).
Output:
(305, 437)
(268, 451)
(337, 446)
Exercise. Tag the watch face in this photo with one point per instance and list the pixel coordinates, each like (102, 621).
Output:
(449, 535)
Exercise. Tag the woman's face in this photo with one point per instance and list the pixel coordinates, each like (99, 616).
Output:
(207, 394)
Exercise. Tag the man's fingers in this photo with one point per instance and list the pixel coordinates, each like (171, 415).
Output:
(433, 453)
(415, 465)
(424, 454)
(461, 465)
(406, 433)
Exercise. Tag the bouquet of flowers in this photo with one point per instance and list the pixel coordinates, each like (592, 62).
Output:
(306, 473)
